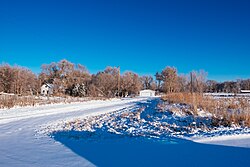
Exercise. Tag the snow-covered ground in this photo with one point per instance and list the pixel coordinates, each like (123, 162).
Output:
(150, 120)
(237, 140)
(20, 145)
(19, 113)
(127, 132)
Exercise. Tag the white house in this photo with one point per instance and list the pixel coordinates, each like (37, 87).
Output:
(46, 89)
(147, 93)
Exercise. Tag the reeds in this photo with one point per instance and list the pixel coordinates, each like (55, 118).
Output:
(225, 111)
(10, 101)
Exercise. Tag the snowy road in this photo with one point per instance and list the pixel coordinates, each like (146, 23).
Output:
(21, 146)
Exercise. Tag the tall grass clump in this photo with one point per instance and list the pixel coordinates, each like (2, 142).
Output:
(9, 101)
(225, 111)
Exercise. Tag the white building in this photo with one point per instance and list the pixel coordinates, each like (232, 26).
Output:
(147, 93)
(244, 91)
(47, 89)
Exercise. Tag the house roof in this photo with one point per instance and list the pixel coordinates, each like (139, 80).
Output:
(147, 90)
(49, 85)
(245, 91)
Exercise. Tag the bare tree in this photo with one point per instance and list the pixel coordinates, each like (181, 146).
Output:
(170, 78)
(153, 86)
(201, 78)
(182, 83)
(211, 86)
(147, 81)
(245, 84)
(106, 82)
(198, 81)
(159, 78)
(25, 81)
(6, 78)
(66, 77)
(18, 80)
(130, 83)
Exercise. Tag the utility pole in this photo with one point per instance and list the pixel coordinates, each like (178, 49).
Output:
(191, 78)
(119, 81)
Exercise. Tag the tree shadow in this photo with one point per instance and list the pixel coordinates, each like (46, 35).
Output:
(108, 149)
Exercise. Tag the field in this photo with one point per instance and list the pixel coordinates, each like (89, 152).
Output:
(225, 109)
(119, 132)
(8, 101)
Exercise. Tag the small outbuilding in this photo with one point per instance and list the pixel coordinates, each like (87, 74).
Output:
(147, 93)
(245, 91)
(47, 89)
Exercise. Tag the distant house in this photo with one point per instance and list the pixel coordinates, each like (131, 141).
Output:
(47, 89)
(147, 93)
(245, 91)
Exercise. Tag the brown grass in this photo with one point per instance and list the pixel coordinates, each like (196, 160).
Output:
(225, 111)
(10, 101)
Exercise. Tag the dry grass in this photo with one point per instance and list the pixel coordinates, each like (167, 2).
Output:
(10, 101)
(225, 111)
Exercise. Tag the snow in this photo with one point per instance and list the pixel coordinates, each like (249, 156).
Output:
(240, 140)
(118, 132)
(15, 114)
(22, 146)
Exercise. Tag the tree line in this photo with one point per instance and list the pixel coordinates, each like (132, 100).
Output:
(75, 80)
(227, 86)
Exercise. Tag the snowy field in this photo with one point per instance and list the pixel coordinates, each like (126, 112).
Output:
(127, 132)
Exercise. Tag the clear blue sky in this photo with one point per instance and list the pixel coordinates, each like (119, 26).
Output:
(139, 35)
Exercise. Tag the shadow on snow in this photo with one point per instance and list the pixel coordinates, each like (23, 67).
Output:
(116, 150)
(107, 149)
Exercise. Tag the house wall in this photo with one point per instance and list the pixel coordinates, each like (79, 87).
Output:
(147, 93)
(45, 90)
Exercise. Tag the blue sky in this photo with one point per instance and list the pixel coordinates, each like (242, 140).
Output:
(139, 35)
